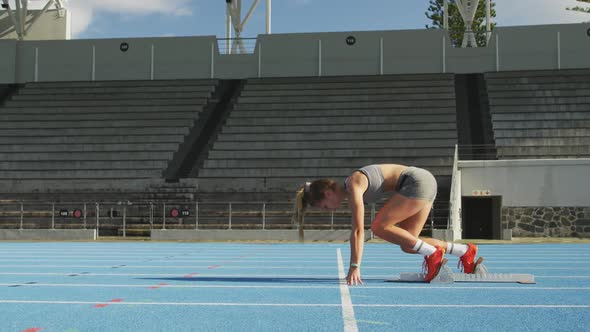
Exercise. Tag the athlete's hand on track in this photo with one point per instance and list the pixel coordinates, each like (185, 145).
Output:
(354, 276)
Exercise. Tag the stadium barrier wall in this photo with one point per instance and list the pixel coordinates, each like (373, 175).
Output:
(47, 234)
(543, 47)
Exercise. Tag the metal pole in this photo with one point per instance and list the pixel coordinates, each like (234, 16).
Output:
(320, 57)
(52, 213)
(212, 60)
(268, 16)
(381, 56)
(228, 28)
(196, 215)
(558, 50)
(93, 62)
(164, 217)
(124, 221)
(444, 55)
(497, 52)
(97, 220)
(332, 220)
(85, 212)
(263, 215)
(259, 59)
(229, 215)
(152, 64)
(53, 218)
(36, 64)
(151, 215)
(22, 211)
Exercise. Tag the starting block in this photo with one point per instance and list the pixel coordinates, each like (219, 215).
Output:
(481, 274)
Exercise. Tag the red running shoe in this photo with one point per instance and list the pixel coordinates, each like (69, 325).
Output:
(432, 264)
(467, 261)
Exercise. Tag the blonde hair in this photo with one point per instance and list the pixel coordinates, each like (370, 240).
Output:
(310, 194)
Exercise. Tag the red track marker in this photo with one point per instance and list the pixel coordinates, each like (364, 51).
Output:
(102, 305)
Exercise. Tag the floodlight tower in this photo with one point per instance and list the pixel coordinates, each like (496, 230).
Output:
(467, 9)
(234, 18)
(18, 14)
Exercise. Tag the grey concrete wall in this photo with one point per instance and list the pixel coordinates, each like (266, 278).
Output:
(48, 27)
(251, 235)
(47, 234)
(306, 54)
(8, 62)
(530, 183)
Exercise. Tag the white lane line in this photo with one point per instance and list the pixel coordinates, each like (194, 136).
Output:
(269, 267)
(365, 287)
(230, 304)
(204, 274)
(347, 308)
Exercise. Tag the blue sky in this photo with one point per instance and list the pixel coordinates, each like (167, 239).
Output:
(153, 18)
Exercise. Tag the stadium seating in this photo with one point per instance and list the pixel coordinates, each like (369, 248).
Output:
(540, 114)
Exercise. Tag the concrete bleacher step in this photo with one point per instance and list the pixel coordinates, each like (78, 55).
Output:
(109, 96)
(281, 184)
(339, 112)
(338, 144)
(312, 172)
(539, 108)
(123, 102)
(37, 165)
(84, 155)
(345, 98)
(97, 147)
(100, 116)
(553, 124)
(320, 136)
(542, 116)
(81, 174)
(544, 151)
(352, 79)
(534, 133)
(101, 109)
(389, 152)
(544, 141)
(106, 139)
(175, 130)
(331, 162)
(135, 83)
(252, 91)
(540, 93)
(347, 85)
(391, 119)
(107, 90)
(539, 101)
(353, 104)
(338, 128)
(31, 124)
(541, 86)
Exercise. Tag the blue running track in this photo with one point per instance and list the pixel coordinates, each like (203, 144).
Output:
(128, 286)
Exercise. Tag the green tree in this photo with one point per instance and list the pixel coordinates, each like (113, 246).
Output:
(581, 9)
(456, 25)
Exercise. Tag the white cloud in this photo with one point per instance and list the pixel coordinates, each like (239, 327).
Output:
(83, 11)
(534, 12)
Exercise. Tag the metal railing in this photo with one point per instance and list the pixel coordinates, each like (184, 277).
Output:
(236, 45)
(125, 218)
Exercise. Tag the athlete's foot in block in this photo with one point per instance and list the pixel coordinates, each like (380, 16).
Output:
(433, 263)
(467, 261)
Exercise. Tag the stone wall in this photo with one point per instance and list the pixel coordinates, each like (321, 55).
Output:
(547, 221)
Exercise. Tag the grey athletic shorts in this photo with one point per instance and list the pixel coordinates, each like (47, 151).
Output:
(417, 183)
